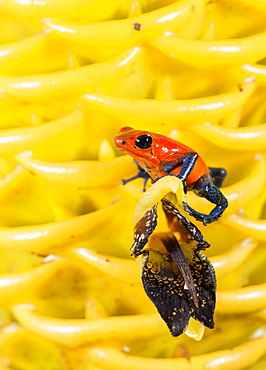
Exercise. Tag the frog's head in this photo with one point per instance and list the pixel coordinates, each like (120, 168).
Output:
(137, 143)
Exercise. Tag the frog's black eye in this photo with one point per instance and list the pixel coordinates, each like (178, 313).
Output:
(144, 141)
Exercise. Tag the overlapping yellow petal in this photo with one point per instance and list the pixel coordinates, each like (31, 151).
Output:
(156, 192)
(83, 78)
(87, 174)
(241, 192)
(237, 357)
(15, 283)
(14, 338)
(254, 228)
(162, 115)
(246, 299)
(152, 24)
(213, 53)
(28, 138)
(83, 228)
(14, 50)
(80, 332)
(241, 138)
(257, 70)
(120, 268)
(227, 262)
(71, 76)
(54, 8)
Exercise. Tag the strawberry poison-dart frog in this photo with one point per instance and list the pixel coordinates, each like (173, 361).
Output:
(157, 156)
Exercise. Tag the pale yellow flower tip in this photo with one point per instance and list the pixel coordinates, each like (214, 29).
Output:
(106, 152)
(195, 330)
(156, 192)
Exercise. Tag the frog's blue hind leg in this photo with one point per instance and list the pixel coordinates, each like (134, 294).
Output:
(205, 188)
(218, 175)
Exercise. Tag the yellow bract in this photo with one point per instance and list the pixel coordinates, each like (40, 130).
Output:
(72, 74)
(165, 185)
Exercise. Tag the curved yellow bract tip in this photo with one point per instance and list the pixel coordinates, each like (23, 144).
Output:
(156, 192)
(241, 138)
(150, 113)
(213, 53)
(81, 332)
(243, 300)
(230, 261)
(121, 269)
(254, 228)
(237, 357)
(72, 74)
(78, 79)
(106, 152)
(87, 173)
(123, 32)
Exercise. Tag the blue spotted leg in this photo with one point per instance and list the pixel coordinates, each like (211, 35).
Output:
(205, 188)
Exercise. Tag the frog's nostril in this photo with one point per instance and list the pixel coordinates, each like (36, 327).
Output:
(123, 142)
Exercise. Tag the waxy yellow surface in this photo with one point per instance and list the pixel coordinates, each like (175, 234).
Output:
(71, 76)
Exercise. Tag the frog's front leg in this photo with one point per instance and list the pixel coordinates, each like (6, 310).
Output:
(187, 163)
(205, 188)
(141, 174)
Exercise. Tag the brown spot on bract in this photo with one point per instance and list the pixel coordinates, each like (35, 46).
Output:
(181, 351)
(137, 26)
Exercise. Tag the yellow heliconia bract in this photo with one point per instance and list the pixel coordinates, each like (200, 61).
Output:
(229, 261)
(15, 283)
(254, 228)
(246, 299)
(152, 24)
(258, 70)
(54, 8)
(28, 138)
(72, 74)
(245, 190)
(237, 357)
(241, 138)
(124, 269)
(86, 78)
(38, 238)
(218, 52)
(79, 332)
(14, 50)
(156, 192)
(162, 115)
(79, 173)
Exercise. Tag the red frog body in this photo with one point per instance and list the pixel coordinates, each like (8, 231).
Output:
(157, 156)
(164, 153)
